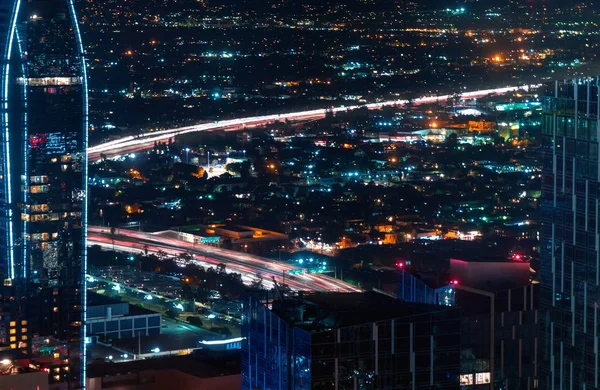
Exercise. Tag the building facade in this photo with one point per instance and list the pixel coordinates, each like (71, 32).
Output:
(349, 341)
(44, 173)
(118, 320)
(569, 236)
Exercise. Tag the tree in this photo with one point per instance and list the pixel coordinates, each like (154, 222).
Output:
(452, 140)
(239, 168)
(112, 236)
(186, 291)
(194, 321)
(185, 257)
(200, 173)
(257, 283)
(221, 268)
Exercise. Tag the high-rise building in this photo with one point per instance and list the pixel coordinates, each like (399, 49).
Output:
(348, 341)
(43, 172)
(569, 236)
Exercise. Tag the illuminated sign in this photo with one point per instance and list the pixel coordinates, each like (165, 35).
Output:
(210, 240)
(37, 140)
(221, 342)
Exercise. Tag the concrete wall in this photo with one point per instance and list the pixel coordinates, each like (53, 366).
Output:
(484, 273)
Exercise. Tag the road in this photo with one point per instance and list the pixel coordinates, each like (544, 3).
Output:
(132, 144)
(250, 267)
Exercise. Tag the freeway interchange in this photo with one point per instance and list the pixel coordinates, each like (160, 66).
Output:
(144, 141)
(250, 267)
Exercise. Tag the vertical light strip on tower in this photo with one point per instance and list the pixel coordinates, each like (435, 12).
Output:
(7, 174)
(84, 188)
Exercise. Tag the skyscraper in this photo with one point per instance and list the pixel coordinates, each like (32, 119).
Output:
(348, 341)
(44, 174)
(569, 236)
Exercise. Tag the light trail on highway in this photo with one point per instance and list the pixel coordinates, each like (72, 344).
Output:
(249, 266)
(143, 141)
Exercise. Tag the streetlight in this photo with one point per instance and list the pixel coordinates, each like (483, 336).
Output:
(187, 156)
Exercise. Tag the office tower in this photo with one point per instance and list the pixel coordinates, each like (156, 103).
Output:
(569, 236)
(499, 317)
(44, 174)
(348, 341)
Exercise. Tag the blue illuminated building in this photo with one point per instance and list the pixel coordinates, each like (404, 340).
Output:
(413, 289)
(348, 341)
(570, 235)
(43, 170)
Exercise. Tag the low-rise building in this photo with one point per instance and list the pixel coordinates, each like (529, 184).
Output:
(118, 320)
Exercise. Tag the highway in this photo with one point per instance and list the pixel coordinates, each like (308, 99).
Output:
(132, 144)
(249, 266)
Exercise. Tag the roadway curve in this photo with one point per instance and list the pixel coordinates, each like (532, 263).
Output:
(144, 141)
(247, 265)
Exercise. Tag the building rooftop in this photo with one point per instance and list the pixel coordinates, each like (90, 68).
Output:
(187, 363)
(324, 310)
(95, 299)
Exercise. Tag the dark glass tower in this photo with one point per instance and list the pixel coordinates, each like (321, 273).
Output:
(569, 236)
(44, 174)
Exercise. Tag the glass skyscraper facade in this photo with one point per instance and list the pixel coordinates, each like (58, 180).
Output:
(44, 174)
(569, 236)
(330, 341)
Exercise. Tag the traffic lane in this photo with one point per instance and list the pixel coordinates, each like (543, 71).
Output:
(227, 257)
(144, 139)
(246, 270)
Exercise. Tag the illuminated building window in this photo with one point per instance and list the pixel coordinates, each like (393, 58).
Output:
(23, 330)
(482, 378)
(38, 208)
(466, 379)
(56, 355)
(13, 323)
(13, 338)
(65, 158)
(24, 217)
(24, 337)
(38, 189)
(50, 81)
(13, 331)
(13, 346)
(38, 179)
(40, 237)
(24, 322)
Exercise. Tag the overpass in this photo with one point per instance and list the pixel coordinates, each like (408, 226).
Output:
(249, 266)
(144, 141)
